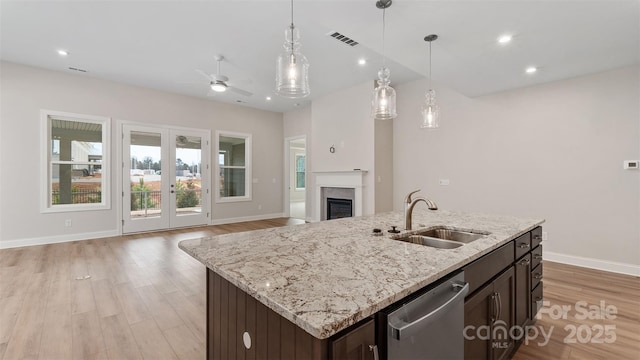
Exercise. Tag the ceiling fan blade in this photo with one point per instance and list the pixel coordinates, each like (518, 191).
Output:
(211, 93)
(239, 91)
(204, 74)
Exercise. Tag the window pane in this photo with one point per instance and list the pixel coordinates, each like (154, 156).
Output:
(300, 160)
(299, 180)
(75, 184)
(79, 142)
(145, 174)
(232, 182)
(233, 149)
(188, 175)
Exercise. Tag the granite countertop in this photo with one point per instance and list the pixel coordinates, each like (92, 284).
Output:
(329, 275)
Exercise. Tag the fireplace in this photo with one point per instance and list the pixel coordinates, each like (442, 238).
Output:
(345, 185)
(339, 208)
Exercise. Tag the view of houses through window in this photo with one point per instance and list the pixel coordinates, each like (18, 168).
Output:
(75, 166)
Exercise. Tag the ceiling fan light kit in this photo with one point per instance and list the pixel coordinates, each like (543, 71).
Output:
(383, 104)
(292, 67)
(218, 86)
(220, 83)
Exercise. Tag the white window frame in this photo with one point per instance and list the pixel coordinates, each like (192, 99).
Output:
(46, 163)
(247, 167)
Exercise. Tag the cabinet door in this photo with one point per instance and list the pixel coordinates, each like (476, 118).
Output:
(479, 312)
(504, 288)
(523, 292)
(355, 344)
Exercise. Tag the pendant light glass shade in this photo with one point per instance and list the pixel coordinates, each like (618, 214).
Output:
(430, 112)
(292, 68)
(384, 98)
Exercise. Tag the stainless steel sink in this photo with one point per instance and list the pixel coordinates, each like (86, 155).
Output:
(442, 237)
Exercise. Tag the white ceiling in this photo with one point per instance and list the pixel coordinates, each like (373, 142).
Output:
(160, 44)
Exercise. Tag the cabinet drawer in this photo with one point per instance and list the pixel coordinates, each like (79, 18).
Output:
(536, 256)
(485, 268)
(536, 237)
(536, 276)
(522, 245)
(536, 300)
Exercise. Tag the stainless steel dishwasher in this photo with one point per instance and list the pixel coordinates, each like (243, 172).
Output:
(429, 326)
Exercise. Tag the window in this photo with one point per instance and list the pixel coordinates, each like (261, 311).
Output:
(75, 162)
(300, 172)
(234, 167)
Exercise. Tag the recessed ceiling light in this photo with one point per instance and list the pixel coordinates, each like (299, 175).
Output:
(63, 52)
(504, 39)
(268, 98)
(531, 69)
(362, 61)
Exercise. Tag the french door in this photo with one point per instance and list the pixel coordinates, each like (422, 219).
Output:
(165, 178)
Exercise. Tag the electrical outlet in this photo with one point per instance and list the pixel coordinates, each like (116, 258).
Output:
(259, 206)
(67, 223)
(444, 182)
(544, 236)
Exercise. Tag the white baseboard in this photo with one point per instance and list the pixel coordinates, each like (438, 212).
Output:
(612, 266)
(246, 218)
(56, 239)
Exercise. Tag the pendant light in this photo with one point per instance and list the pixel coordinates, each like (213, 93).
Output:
(430, 110)
(292, 68)
(383, 105)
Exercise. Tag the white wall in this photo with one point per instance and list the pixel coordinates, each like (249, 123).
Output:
(551, 151)
(297, 123)
(343, 119)
(25, 90)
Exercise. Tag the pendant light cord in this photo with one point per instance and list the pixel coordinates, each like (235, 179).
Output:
(430, 81)
(384, 58)
(292, 28)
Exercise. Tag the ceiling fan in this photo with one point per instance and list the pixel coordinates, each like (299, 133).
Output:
(220, 83)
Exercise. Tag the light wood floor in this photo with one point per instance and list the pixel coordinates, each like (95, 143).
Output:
(139, 296)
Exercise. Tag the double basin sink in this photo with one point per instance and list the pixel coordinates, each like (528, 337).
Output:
(442, 237)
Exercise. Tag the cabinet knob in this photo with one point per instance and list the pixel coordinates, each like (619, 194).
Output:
(537, 256)
(246, 339)
(523, 245)
(537, 276)
(525, 262)
(537, 237)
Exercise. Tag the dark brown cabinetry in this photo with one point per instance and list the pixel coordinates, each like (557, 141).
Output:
(523, 290)
(490, 311)
(502, 298)
(240, 327)
(356, 344)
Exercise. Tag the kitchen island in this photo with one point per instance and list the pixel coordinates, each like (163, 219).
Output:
(326, 277)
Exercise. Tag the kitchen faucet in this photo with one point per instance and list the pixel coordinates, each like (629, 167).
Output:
(409, 204)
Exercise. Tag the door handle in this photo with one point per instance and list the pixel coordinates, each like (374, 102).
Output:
(397, 331)
(494, 308)
(499, 306)
(374, 348)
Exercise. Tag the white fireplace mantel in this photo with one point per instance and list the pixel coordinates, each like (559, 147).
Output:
(349, 179)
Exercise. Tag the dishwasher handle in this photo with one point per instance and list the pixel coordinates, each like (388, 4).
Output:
(397, 331)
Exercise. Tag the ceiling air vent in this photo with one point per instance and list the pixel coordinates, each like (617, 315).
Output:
(347, 40)
(76, 69)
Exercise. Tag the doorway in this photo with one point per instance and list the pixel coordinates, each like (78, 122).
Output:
(296, 168)
(165, 178)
